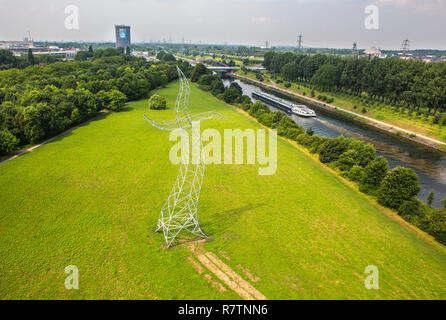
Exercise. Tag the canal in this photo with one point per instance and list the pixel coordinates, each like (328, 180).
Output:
(430, 165)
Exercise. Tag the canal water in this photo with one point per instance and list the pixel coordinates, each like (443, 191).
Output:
(430, 165)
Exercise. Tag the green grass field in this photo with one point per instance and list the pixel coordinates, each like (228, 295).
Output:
(92, 197)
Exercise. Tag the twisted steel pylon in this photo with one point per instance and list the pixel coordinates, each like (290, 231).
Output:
(180, 210)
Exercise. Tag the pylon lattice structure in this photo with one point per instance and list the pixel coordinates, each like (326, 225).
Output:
(299, 43)
(180, 210)
(405, 47)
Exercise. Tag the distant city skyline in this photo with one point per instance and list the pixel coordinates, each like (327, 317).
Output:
(323, 23)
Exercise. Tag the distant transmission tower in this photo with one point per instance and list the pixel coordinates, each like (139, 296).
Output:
(405, 47)
(355, 49)
(299, 43)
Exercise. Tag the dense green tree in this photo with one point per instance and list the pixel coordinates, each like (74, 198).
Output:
(207, 79)
(355, 174)
(374, 173)
(30, 57)
(406, 83)
(436, 225)
(331, 149)
(40, 102)
(7, 59)
(398, 185)
(199, 70)
(231, 94)
(8, 142)
(430, 198)
(325, 77)
(414, 211)
(217, 87)
(257, 109)
(290, 71)
(83, 55)
(113, 99)
(33, 129)
(237, 87)
(348, 159)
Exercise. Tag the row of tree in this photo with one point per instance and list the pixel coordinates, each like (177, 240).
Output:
(406, 83)
(8, 60)
(41, 101)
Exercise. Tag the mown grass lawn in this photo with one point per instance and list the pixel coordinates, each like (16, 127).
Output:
(92, 199)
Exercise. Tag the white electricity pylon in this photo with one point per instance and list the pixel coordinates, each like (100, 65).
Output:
(180, 210)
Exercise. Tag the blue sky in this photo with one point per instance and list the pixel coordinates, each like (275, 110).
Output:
(323, 23)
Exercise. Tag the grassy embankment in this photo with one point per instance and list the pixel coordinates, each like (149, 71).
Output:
(410, 121)
(92, 197)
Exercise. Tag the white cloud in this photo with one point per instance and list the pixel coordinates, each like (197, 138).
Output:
(261, 19)
(416, 5)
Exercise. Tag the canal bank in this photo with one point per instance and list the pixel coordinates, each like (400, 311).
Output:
(399, 132)
(428, 163)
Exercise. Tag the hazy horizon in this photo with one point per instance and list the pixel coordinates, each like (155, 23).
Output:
(323, 23)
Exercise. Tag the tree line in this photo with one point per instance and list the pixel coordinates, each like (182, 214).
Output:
(354, 159)
(40, 101)
(410, 84)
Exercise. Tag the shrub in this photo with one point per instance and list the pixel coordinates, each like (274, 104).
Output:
(116, 100)
(278, 115)
(293, 133)
(348, 159)
(374, 173)
(204, 87)
(413, 211)
(259, 76)
(398, 185)
(246, 106)
(304, 139)
(8, 141)
(266, 119)
(435, 224)
(366, 152)
(156, 102)
(315, 143)
(257, 109)
(355, 174)
(245, 99)
(331, 149)
(206, 79)
(231, 94)
(287, 85)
